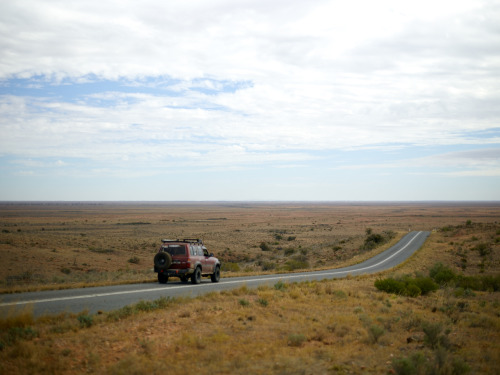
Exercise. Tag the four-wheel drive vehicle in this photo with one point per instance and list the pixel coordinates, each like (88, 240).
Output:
(187, 258)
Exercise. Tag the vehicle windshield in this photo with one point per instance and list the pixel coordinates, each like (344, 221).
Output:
(175, 249)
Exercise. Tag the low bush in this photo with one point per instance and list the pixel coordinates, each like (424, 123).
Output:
(296, 263)
(415, 364)
(442, 274)
(390, 285)
(407, 286)
(263, 302)
(230, 267)
(296, 340)
(264, 246)
(85, 320)
(426, 284)
(486, 283)
(433, 337)
(280, 285)
(483, 249)
(375, 332)
(13, 334)
(373, 240)
(268, 266)
(141, 306)
(134, 260)
(289, 251)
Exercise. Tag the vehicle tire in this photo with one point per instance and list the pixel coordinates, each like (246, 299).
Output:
(163, 260)
(162, 278)
(216, 275)
(196, 278)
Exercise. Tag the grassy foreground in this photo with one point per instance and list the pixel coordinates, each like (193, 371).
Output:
(333, 326)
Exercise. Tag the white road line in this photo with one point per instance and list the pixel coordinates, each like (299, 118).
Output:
(271, 278)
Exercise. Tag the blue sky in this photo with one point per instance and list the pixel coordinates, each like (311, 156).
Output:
(249, 100)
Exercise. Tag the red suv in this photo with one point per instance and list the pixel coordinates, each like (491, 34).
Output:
(187, 258)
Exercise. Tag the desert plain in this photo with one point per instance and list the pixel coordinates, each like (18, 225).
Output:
(332, 326)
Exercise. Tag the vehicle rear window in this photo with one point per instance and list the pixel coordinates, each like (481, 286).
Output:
(175, 249)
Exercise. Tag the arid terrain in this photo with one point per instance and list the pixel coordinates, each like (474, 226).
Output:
(337, 326)
(64, 243)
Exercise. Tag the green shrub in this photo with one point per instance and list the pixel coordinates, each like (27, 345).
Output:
(390, 285)
(425, 284)
(145, 306)
(263, 302)
(442, 274)
(296, 263)
(280, 285)
(459, 367)
(289, 251)
(134, 260)
(479, 283)
(413, 365)
(85, 320)
(412, 290)
(375, 332)
(403, 366)
(119, 314)
(268, 266)
(432, 333)
(483, 249)
(295, 339)
(264, 246)
(407, 286)
(373, 240)
(490, 283)
(13, 334)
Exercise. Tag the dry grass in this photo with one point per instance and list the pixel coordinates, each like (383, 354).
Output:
(53, 246)
(332, 326)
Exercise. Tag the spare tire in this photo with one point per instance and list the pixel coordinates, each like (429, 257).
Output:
(163, 260)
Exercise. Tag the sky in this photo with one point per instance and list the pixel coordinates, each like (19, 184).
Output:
(249, 100)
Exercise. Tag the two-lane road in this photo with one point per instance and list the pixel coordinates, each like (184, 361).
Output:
(114, 297)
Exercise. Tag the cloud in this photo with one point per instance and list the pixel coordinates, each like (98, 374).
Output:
(100, 86)
(483, 162)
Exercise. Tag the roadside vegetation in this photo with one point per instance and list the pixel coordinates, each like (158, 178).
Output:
(344, 326)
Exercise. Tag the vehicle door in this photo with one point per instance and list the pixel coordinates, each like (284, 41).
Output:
(208, 261)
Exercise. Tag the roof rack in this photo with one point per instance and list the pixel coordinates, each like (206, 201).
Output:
(189, 240)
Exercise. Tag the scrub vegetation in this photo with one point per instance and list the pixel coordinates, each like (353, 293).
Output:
(344, 326)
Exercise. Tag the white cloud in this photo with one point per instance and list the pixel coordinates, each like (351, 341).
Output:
(484, 162)
(237, 84)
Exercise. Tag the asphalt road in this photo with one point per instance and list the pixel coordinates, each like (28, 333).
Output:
(110, 298)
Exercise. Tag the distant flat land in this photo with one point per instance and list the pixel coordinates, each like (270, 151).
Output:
(324, 326)
(59, 243)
